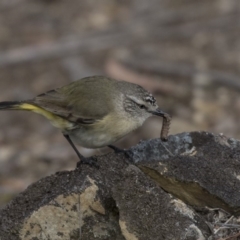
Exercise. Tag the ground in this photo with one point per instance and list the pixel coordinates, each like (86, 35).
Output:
(185, 52)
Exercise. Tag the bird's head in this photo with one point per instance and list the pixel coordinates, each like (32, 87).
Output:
(140, 104)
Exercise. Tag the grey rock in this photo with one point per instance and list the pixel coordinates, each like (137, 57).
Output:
(153, 191)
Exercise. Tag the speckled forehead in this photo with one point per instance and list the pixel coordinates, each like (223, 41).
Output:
(147, 96)
(150, 99)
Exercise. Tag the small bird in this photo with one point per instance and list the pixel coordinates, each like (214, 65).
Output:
(94, 111)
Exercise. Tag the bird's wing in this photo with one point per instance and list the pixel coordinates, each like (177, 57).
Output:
(77, 105)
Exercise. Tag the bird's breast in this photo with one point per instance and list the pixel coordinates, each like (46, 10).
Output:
(104, 132)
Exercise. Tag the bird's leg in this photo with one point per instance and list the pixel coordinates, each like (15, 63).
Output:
(83, 160)
(119, 150)
(116, 149)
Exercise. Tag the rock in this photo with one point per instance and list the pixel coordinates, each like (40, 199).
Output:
(200, 168)
(156, 190)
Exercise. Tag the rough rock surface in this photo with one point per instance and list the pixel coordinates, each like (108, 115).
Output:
(154, 191)
(202, 169)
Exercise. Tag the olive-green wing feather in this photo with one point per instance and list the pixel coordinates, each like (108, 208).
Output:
(83, 101)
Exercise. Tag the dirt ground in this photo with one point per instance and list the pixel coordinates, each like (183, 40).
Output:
(185, 52)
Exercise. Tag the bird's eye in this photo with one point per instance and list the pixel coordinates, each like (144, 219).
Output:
(142, 106)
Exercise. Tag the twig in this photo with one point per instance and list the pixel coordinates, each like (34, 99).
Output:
(224, 223)
(233, 237)
(218, 209)
(228, 225)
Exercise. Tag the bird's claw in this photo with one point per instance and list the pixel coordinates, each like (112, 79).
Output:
(91, 161)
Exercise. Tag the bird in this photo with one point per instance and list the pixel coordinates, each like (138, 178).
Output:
(93, 112)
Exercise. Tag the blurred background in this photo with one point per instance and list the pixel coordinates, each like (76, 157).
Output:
(187, 53)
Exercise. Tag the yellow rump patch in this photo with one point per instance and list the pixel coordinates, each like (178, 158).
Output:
(56, 121)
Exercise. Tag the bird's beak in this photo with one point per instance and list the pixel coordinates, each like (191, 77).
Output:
(159, 112)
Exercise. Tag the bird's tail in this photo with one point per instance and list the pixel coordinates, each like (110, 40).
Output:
(23, 105)
(13, 105)
(20, 105)
(57, 121)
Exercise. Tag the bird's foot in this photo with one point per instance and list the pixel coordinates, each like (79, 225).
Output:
(91, 161)
(119, 150)
(116, 149)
